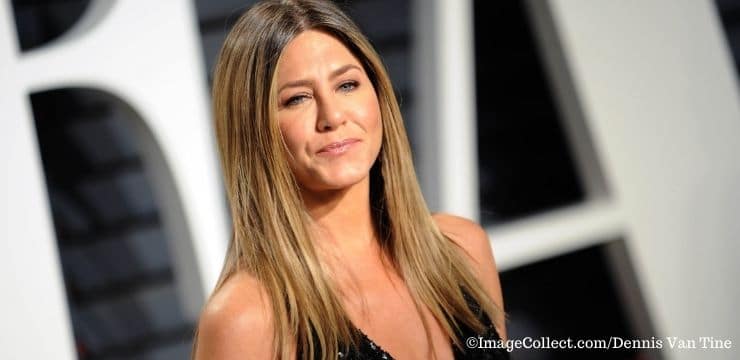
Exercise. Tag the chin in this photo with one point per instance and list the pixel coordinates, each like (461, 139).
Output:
(337, 180)
(346, 180)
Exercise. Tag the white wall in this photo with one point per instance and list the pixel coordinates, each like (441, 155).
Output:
(146, 53)
(657, 87)
(650, 102)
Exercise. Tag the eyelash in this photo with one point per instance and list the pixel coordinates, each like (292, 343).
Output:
(353, 83)
(295, 100)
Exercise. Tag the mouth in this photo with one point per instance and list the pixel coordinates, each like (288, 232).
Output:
(338, 147)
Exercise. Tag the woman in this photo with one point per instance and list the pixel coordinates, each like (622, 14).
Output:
(333, 244)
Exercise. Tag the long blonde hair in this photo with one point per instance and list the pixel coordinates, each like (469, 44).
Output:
(271, 238)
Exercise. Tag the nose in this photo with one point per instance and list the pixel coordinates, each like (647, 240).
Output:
(330, 115)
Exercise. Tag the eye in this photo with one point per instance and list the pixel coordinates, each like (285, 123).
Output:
(348, 86)
(295, 100)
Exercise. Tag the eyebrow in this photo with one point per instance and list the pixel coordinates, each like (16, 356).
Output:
(305, 82)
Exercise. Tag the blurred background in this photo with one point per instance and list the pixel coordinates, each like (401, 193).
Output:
(596, 141)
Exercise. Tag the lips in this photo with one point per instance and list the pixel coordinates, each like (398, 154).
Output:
(338, 147)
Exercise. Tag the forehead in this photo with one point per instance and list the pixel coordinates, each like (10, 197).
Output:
(312, 52)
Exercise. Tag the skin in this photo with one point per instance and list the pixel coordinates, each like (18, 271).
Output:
(319, 105)
(325, 96)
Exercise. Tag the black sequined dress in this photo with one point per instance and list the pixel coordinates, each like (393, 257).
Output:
(482, 349)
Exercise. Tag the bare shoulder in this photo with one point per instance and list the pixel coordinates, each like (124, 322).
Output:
(473, 239)
(469, 236)
(466, 233)
(236, 322)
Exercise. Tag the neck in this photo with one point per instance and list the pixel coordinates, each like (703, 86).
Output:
(343, 218)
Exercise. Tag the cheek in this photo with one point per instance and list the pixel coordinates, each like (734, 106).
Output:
(376, 124)
(371, 114)
(293, 135)
(373, 126)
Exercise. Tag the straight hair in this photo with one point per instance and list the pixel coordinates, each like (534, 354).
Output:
(271, 237)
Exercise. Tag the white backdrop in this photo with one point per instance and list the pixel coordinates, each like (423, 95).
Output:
(147, 54)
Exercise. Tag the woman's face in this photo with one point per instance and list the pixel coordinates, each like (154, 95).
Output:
(328, 113)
